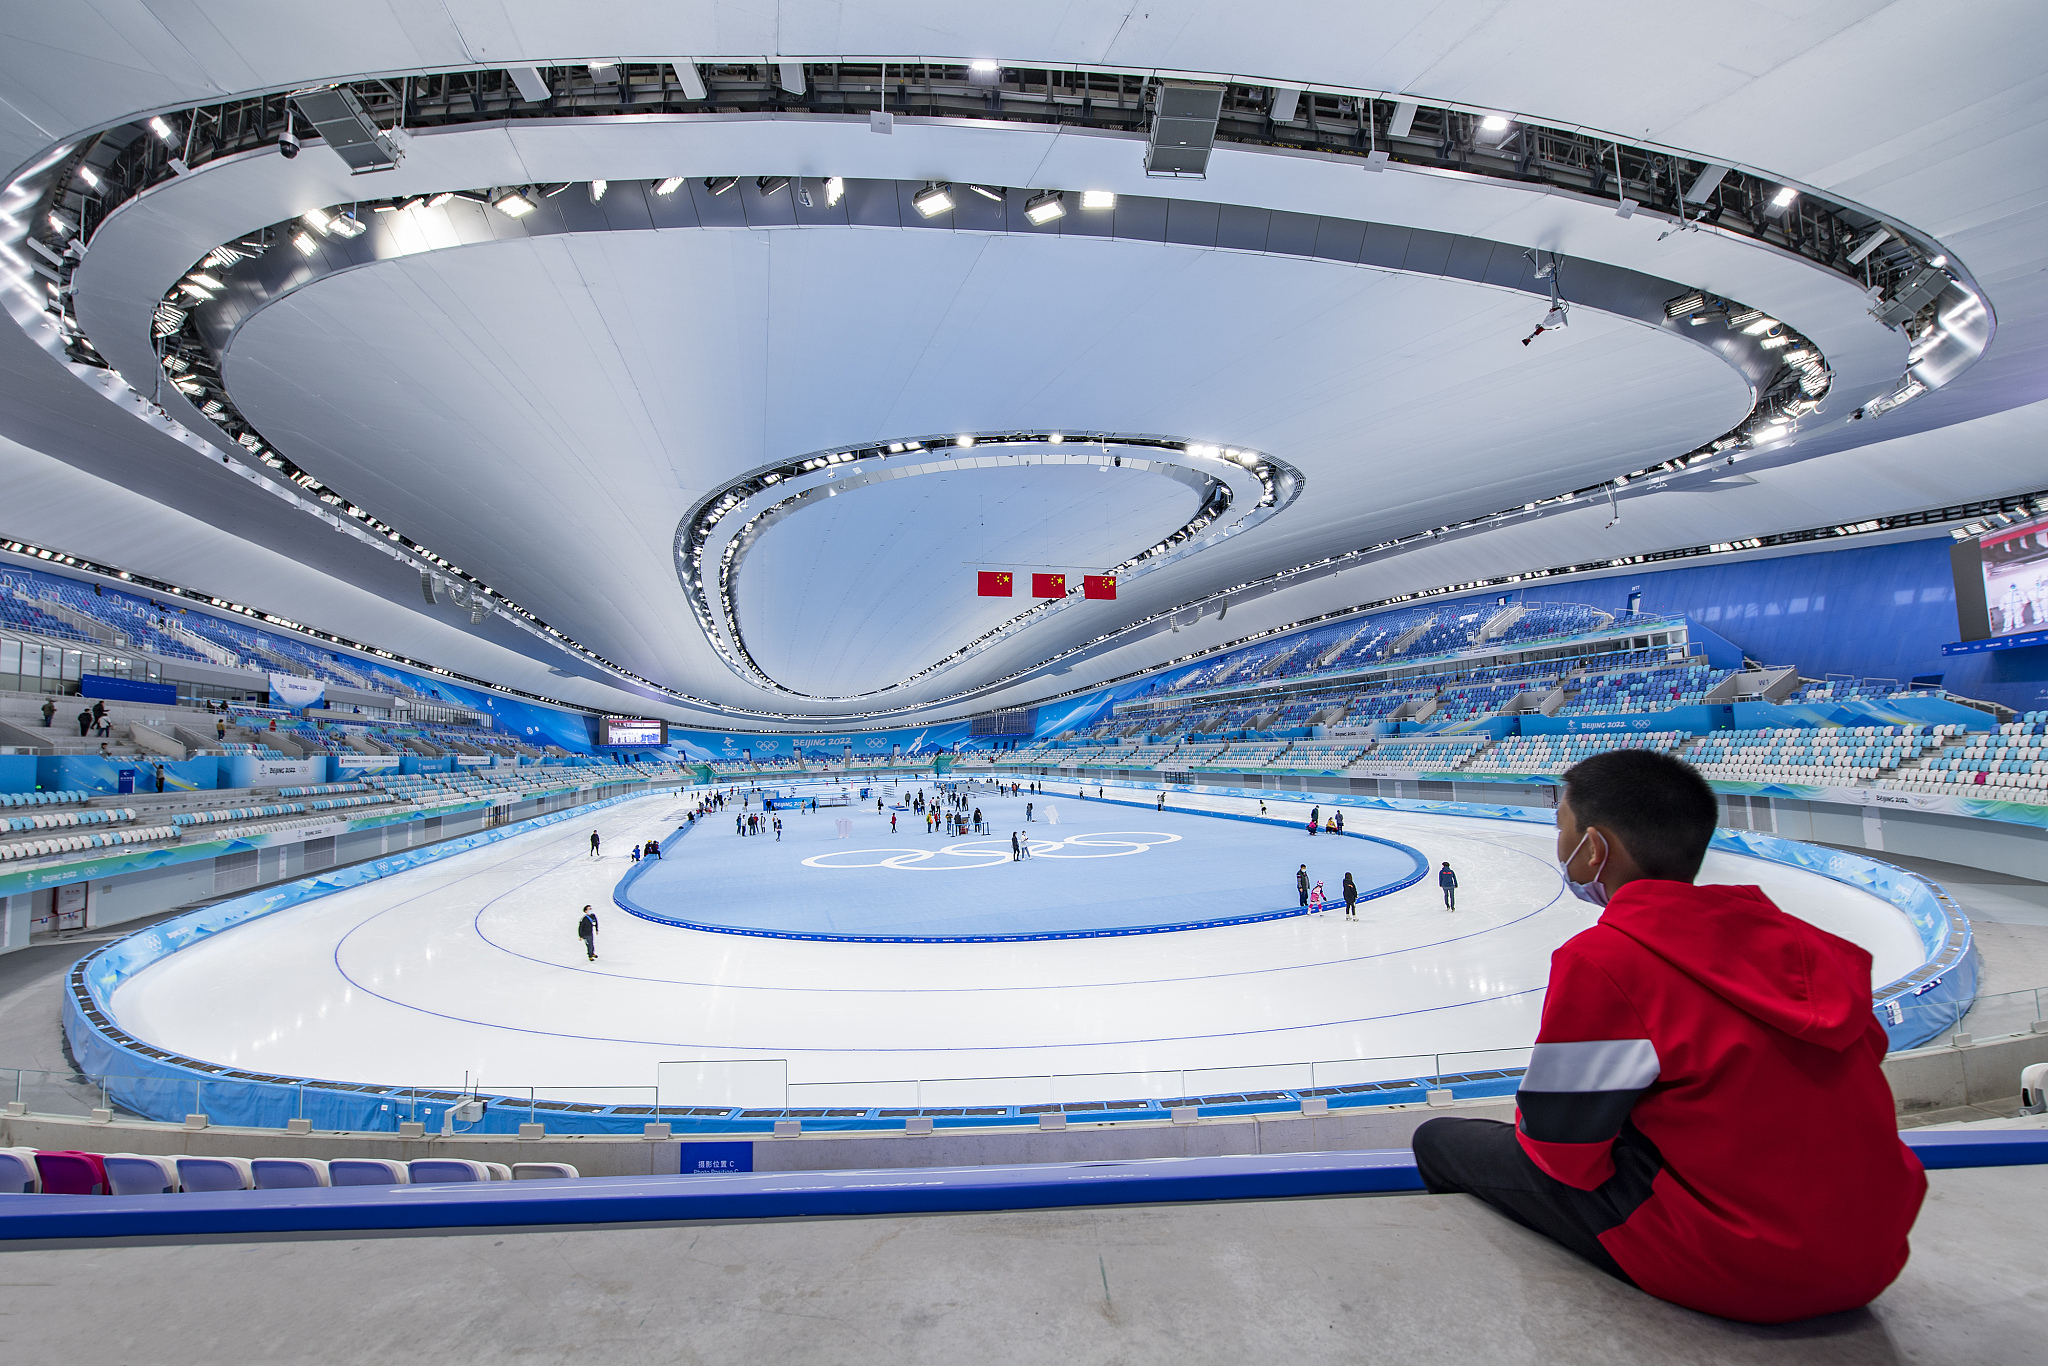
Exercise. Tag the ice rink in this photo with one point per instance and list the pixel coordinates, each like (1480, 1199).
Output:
(470, 968)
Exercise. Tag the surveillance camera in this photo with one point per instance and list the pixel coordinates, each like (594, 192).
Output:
(287, 144)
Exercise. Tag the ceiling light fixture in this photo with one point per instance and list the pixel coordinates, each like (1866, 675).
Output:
(316, 219)
(513, 204)
(305, 243)
(348, 225)
(986, 193)
(1494, 123)
(442, 198)
(1044, 208)
(835, 190)
(933, 199)
(85, 173)
(982, 65)
(668, 186)
(1098, 199)
(717, 184)
(597, 189)
(162, 130)
(771, 184)
(1784, 197)
(963, 441)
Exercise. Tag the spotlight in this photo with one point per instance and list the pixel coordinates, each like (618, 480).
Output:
(1684, 304)
(513, 204)
(1044, 208)
(719, 184)
(305, 243)
(1784, 197)
(933, 199)
(986, 193)
(162, 130)
(1055, 438)
(597, 189)
(982, 65)
(835, 190)
(671, 185)
(442, 198)
(317, 220)
(62, 226)
(963, 441)
(85, 173)
(1098, 199)
(771, 184)
(347, 225)
(1493, 123)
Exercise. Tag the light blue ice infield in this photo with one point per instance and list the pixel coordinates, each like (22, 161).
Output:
(1106, 868)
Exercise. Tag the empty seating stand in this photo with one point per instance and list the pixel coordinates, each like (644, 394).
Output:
(30, 1171)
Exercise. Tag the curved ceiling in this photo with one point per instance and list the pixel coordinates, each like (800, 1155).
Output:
(1395, 395)
(853, 592)
(580, 392)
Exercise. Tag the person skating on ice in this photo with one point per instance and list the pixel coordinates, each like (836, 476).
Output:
(1315, 899)
(1448, 880)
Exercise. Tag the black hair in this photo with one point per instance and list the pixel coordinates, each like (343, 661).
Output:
(1657, 805)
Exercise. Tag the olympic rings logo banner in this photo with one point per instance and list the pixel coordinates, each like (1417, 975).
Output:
(987, 853)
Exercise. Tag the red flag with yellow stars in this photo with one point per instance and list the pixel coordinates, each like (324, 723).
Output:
(1048, 585)
(993, 583)
(1099, 586)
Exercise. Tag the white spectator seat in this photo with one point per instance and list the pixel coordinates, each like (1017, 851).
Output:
(367, 1171)
(18, 1174)
(141, 1174)
(215, 1174)
(449, 1170)
(289, 1173)
(499, 1171)
(542, 1171)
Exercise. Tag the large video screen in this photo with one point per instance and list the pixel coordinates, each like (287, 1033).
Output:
(634, 730)
(2012, 566)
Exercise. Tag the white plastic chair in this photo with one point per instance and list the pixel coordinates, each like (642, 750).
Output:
(141, 1174)
(543, 1171)
(289, 1173)
(215, 1174)
(18, 1174)
(367, 1171)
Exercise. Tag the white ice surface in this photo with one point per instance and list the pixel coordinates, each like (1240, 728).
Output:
(470, 967)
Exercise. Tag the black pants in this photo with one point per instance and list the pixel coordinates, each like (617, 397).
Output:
(1482, 1157)
(589, 945)
(1304, 894)
(1451, 897)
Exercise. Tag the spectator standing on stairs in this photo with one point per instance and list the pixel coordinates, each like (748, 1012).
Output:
(49, 711)
(84, 722)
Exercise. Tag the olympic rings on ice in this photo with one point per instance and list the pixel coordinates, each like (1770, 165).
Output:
(987, 853)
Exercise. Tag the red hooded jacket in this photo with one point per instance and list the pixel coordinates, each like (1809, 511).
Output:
(1710, 1064)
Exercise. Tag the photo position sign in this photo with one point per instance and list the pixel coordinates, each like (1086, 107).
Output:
(987, 853)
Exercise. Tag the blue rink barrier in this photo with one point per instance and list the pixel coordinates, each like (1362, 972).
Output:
(799, 1195)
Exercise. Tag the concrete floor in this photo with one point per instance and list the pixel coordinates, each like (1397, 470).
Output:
(1410, 1279)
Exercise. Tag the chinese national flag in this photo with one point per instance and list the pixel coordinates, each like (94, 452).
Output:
(1098, 586)
(993, 583)
(1048, 585)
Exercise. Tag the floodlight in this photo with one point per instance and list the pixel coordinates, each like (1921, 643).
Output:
(1493, 123)
(1098, 199)
(442, 198)
(963, 441)
(1760, 326)
(982, 65)
(61, 225)
(597, 189)
(513, 204)
(162, 130)
(316, 219)
(933, 199)
(1055, 438)
(670, 185)
(1684, 304)
(305, 243)
(1784, 197)
(986, 193)
(771, 184)
(1938, 261)
(202, 278)
(85, 174)
(603, 73)
(835, 190)
(1044, 208)
(348, 225)
(719, 184)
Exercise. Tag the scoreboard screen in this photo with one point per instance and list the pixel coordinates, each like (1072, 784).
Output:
(634, 730)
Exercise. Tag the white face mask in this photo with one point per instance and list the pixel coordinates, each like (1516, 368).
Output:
(1592, 890)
